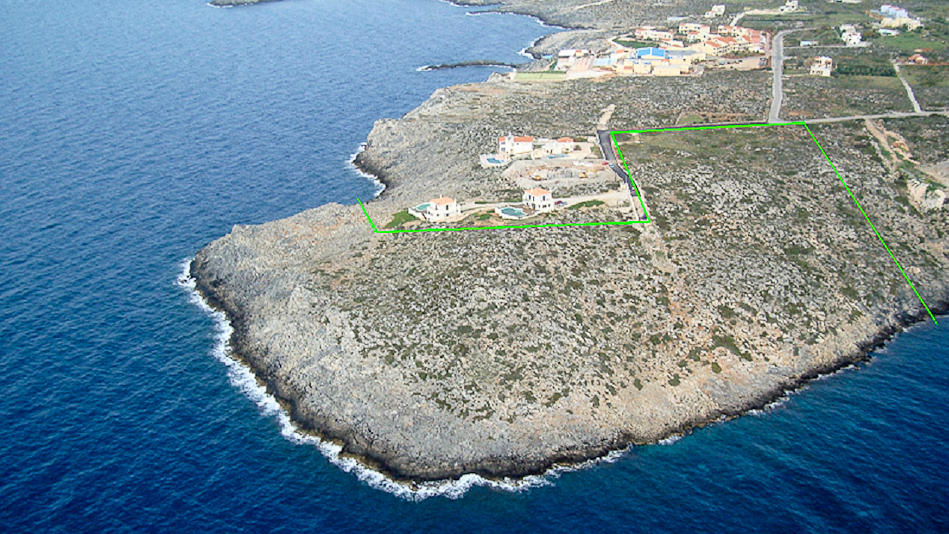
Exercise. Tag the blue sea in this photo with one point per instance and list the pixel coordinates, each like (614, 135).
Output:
(134, 132)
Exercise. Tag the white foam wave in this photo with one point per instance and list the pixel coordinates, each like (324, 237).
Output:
(786, 396)
(243, 379)
(773, 405)
(380, 187)
(524, 51)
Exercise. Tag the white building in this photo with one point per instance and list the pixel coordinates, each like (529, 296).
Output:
(568, 58)
(538, 199)
(649, 33)
(437, 209)
(717, 11)
(850, 35)
(515, 145)
(559, 146)
(822, 66)
(688, 27)
(789, 7)
(893, 11)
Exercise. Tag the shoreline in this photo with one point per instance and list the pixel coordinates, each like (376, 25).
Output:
(345, 445)
(337, 446)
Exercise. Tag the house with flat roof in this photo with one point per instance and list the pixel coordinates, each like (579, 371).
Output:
(822, 66)
(789, 7)
(717, 11)
(649, 33)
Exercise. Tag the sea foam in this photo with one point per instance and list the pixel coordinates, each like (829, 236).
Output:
(380, 187)
(243, 379)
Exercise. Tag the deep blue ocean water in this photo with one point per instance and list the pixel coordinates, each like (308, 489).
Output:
(133, 132)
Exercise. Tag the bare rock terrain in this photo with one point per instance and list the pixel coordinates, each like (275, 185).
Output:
(502, 352)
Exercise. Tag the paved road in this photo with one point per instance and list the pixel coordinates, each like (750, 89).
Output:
(777, 66)
(609, 154)
(894, 115)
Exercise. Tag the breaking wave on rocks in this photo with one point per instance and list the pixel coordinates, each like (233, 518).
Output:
(380, 187)
(243, 379)
(785, 397)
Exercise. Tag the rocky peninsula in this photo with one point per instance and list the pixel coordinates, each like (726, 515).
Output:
(505, 352)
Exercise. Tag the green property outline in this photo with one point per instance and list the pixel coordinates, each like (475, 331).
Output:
(648, 219)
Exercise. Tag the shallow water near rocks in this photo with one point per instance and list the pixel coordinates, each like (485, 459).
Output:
(132, 133)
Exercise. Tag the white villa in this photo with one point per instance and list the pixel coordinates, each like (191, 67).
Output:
(850, 35)
(822, 66)
(717, 11)
(559, 146)
(513, 146)
(538, 199)
(897, 17)
(789, 7)
(567, 59)
(437, 209)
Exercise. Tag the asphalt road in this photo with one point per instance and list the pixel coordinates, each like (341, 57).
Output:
(609, 154)
(777, 66)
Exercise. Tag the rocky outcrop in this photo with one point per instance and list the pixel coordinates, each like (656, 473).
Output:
(430, 355)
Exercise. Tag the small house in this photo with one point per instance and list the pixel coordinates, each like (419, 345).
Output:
(437, 209)
(822, 66)
(515, 145)
(538, 199)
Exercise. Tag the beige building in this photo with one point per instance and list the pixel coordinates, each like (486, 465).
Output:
(901, 22)
(822, 66)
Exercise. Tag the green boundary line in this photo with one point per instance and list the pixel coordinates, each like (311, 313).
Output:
(648, 219)
(859, 207)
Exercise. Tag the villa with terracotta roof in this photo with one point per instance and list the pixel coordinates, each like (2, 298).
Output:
(515, 145)
(538, 199)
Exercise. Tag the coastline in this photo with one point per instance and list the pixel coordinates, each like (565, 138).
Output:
(377, 471)
(248, 379)
(349, 446)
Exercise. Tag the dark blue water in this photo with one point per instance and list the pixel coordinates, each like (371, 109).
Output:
(134, 132)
